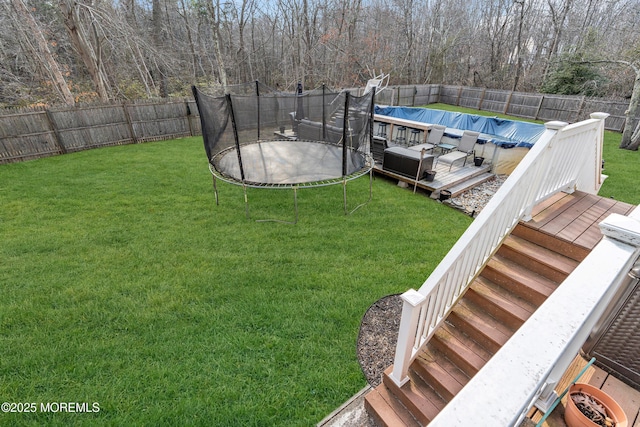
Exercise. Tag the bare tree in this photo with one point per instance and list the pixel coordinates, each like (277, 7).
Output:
(213, 7)
(43, 53)
(82, 28)
(558, 15)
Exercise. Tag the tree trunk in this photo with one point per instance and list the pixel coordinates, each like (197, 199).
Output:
(516, 79)
(81, 44)
(156, 14)
(558, 25)
(630, 139)
(214, 12)
(46, 57)
(635, 140)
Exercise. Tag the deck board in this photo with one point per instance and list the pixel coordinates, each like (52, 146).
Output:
(553, 211)
(444, 179)
(575, 217)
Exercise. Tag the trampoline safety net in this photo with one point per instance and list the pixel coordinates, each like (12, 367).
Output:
(256, 136)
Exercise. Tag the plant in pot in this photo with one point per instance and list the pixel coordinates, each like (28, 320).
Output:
(429, 175)
(588, 406)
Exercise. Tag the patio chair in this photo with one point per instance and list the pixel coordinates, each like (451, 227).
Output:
(464, 149)
(433, 139)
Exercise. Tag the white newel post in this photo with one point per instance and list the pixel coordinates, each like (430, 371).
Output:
(541, 150)
(590, 179)
(407, 335)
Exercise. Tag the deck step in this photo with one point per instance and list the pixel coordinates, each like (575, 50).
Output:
(464, 352)
(440, 373)
(386, 410)
(516, 278)
(494, 300)
(420, 400)
(548, 241)
(468, 184)
(524, 271)
(479, 325)
(545, 262)
(444, 178)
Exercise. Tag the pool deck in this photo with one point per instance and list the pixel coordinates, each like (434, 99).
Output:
(456, 180)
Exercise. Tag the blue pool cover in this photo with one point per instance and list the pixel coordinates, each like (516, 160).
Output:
(502, 132)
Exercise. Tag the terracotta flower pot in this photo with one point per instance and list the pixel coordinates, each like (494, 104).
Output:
(574, 417)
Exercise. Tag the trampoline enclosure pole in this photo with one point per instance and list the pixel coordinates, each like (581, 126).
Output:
(258, 102)
(235, 135)
(373, 106)
(345, 130)
(324, 117)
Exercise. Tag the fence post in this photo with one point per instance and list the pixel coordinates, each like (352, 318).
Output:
(484, 91)
(129, 123)
(188, 116)
(580, 108)
(459, 95)
(508, 103)
(539, 107)
(56, 132)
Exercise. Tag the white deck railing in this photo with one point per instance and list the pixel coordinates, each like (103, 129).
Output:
(527, 368)
(565, 158)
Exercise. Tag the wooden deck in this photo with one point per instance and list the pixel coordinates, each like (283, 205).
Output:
(574, 218)
(457, 180)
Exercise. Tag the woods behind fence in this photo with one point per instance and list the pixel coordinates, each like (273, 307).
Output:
(32, 133)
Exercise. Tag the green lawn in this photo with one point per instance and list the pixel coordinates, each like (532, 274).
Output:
(124, 284)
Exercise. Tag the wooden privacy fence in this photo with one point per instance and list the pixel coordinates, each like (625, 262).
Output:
(536, 106)
(32, 133)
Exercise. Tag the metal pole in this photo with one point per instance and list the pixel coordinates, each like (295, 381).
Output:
(373, 100)
(235, 135)
(415, 183)
(258, 101)
(215, 189)
(344, 196)
(345, 130)
(324, 118)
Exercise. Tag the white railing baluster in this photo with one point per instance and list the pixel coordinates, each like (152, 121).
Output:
(556, 162)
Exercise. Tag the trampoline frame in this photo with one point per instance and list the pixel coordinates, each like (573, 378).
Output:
(366, 169)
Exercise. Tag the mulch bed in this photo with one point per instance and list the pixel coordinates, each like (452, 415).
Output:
(378, 336)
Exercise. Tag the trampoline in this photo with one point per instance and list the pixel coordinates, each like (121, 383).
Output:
(268, 139)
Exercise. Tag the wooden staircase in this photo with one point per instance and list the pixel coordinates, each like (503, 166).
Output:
(516, 281)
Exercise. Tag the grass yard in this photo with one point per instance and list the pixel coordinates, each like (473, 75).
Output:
(125, 285)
